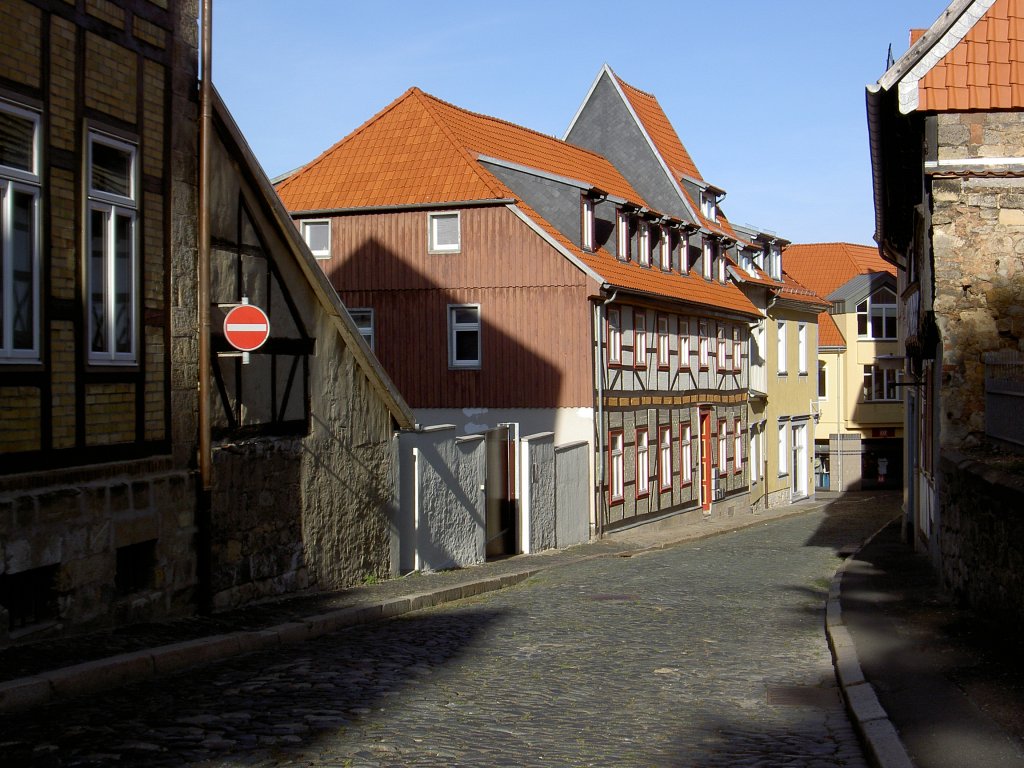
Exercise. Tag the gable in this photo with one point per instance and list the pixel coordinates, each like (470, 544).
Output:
(846, 298)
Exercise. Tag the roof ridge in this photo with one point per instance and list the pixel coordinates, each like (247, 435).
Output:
(509, 123)
(346, 139)
(498, 189)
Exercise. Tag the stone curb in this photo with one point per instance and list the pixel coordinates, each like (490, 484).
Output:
(882, 742)
(25, 693)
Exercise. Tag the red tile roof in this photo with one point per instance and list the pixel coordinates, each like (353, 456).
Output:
(420, 149)
(668, 144)
(823, 267)
(829, 334)
(984, 70)
(795, 291)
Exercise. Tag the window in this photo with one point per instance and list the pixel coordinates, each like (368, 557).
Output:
(317, 235)
(614, 337)
(112, 266)
(746, 262)
(665, 458)
(801, 348)
(588, 225)
(702, 344)
(644, 243)
(643, 466)
(663, 345)
(685, 455)
(709, 205)
(722, 359)
(876, 315)
(755, 467)
(880, 384)
(622, 235)
(363, 318)
(639, 339)
(723, 444)
(775, 261)
(822, 382)
(464, 335)
(737, 350)
(782, 347)
(665, 249)
(721, 261)
(616, 466)
(737, 447)
(19, 234)
(783, 447)
(707, 257)
(684, 342)
(445, 233)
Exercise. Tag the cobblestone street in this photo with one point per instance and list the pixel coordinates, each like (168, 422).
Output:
(711, 653)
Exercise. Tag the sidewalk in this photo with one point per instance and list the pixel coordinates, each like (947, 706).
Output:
(36, 673)
(942, 690)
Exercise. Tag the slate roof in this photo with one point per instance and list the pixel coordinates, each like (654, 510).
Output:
(421, 150)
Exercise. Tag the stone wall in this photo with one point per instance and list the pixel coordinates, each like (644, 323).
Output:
(978, 253)
(981, 537)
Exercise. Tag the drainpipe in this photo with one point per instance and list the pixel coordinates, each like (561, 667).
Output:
(599, 517)
(203, 298)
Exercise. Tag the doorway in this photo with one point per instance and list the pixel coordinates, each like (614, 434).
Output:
(502, 505)
(705, 461)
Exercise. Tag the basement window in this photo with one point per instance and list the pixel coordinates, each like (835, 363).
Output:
(136, 564)
(30, 597)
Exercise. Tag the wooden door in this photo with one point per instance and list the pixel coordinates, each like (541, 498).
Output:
(705, 461)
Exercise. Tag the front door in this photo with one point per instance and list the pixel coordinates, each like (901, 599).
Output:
(705, 460)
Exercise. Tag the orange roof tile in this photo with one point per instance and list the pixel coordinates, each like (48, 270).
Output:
(823, 267)
(977, 73)
(795, 291)
(670, 147)
(829, 334)
(420, 149)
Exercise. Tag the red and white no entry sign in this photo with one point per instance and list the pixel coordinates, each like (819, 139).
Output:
(246, 327)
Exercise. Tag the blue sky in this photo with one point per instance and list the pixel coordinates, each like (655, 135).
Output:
(768, 97)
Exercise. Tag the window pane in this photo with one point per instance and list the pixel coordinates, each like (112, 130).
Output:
(467, 315)
(862, 325)
(23, 289)
(123, 283)
(111, 170)
(16, 135)
(446, 231)
(97, 313)
(318, 236)
(467, 346)
(890, 325)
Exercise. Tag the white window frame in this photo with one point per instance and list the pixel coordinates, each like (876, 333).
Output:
(665, 457)
(782, 348)
(360, 316)
(721, 351)
(708, 257)
(737, 350)
(801, 348)
(305, 225)
(684, 342)
(622, 235)
(723, 447)
(889, 388)
(665, 249)
(755, 467)
(111, 207)
(644, 243)
(433, 246)
(775, 261)
(616, 466)
(685, 455)
(783, 447)
(664, 347)
(613, 332)
(640, 339)
(869, 312)
(703, 342)
(587, 224)
(721, 268)
(643, 462)
(455, 328)
(709, 205)
(822, 380)
(20, 181)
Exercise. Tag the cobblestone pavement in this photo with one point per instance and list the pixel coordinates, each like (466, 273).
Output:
(711, 653)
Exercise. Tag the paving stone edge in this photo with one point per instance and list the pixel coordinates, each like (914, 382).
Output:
(882, 741)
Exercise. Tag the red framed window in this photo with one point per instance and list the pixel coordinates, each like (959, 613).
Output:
(722, 357)
(613, 336)
(665, 457)
(737, 350)
(616, 467)
(684, 342)
(663, 343)
(587, 224)
(685, 455)
(737, 447)
(703, 343)
(643, 463)
(639, 339)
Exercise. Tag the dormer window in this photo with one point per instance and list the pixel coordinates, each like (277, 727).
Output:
(587, 224)
(644, 243)
(746, 262)
(707, 257)
(445, 234)
(775, 261)
(665, 251)
(721, 268)
(622, 235)
(709, 205)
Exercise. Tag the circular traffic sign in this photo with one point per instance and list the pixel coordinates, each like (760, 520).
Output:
(246, 327)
